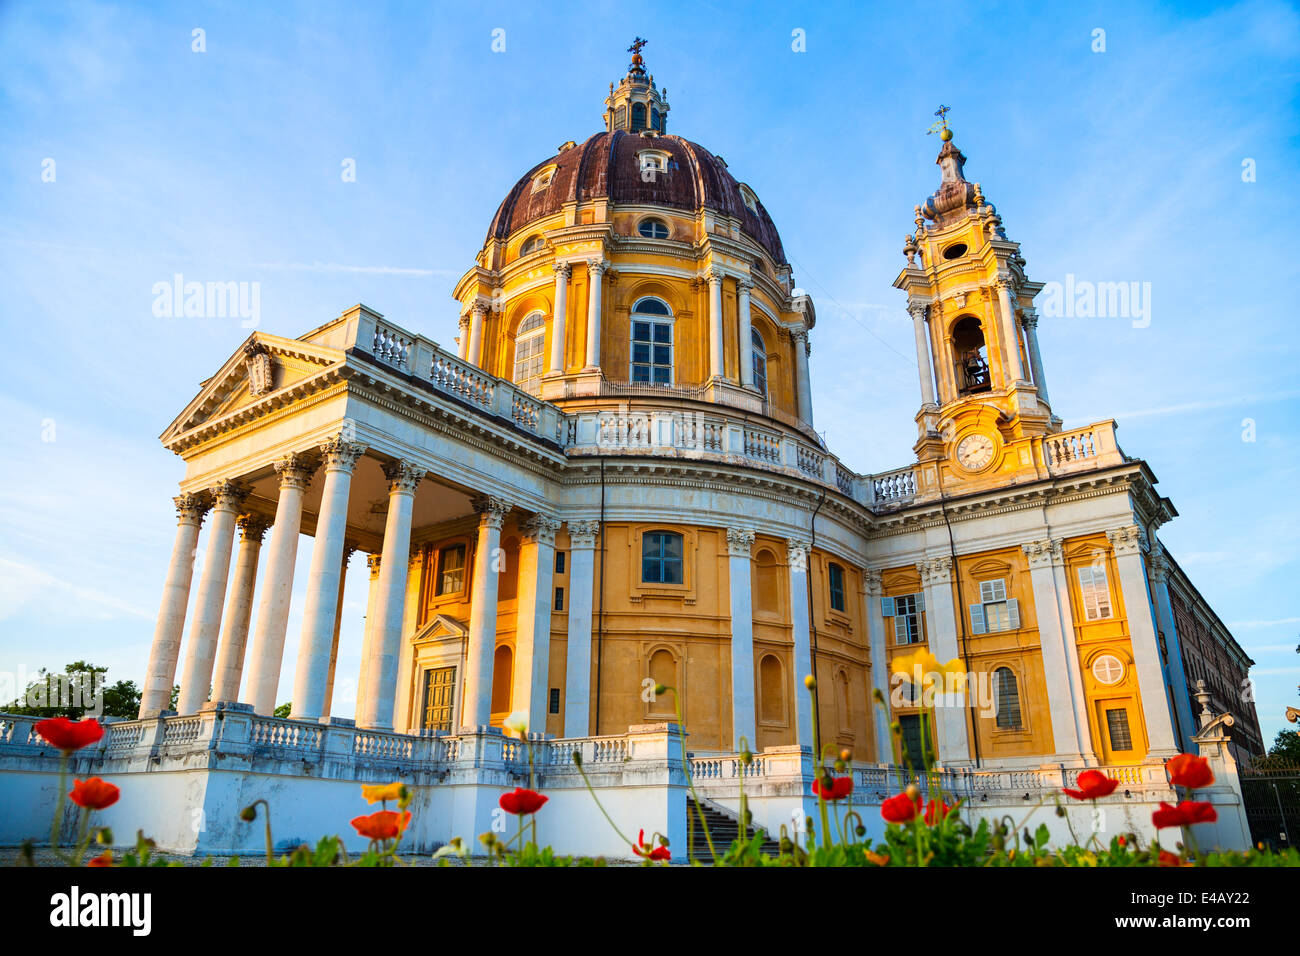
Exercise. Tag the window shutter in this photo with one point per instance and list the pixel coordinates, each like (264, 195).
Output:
(887, 606)
(920, 602)
(1013, 613)
(977, 619)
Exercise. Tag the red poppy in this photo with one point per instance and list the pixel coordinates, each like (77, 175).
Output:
(900, 809)
(650, 853)
(1191, 772)
(1123, 841)
(382, 824)
(104, 859)
(1185, 814)
(1169, 859)
(94, 794)
(69, 736)
(840, 788)
(935, 812)
(1092, 784)
(522, 801)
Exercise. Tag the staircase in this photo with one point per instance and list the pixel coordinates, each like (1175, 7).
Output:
(724, 828)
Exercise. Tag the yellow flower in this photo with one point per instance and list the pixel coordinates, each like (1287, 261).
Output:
(375, 792)
(925, 669)
(518, 722)
(877, 859)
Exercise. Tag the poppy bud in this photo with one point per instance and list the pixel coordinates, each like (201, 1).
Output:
(913, 792)
(860, 830)
(1060, 811)
(104, 837)
(896, 729)
(577, 757)
(249, 813)
(846, 755)
(749, 816)
(660, 690)
(839, 766)
(663, 840)
(879, 697)
(746, 757)
(809, 682)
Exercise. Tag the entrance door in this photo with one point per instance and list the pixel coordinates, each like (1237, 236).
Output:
(918, 740)
(439, 693)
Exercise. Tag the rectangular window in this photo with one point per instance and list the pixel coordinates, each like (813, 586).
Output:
(996, 611)
(439, 688)
(907, 619)
(554, 707)
(559, 599)
(559, 562)
(661, 557)
(652, 352)
(1117, 725)
(451, 570)
(836, 576)
(1095, 592)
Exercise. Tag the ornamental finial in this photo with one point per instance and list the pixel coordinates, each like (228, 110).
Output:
(941, 127)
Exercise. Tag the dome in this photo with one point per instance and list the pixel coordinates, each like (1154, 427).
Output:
(609, 166)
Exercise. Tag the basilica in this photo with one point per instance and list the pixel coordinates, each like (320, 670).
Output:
(606, 477)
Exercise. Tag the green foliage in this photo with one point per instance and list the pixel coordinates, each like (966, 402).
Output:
(284, 709)
(50, 694)
(1285, 750)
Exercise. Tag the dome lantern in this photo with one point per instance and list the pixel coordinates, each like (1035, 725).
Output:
(636, 104)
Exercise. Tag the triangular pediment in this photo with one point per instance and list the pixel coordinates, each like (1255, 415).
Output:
(441, 627)
(262, 366)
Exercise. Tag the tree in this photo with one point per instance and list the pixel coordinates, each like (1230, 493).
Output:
(1285, 749)
(72, 694)
(283, 709)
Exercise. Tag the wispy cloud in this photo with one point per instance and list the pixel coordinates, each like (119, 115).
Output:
(339, 267)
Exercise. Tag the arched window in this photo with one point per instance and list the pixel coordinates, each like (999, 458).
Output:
(1008, 699)
(663, 670)
(759, 358)
(771, 683)
(653, 228)
(530, 245)
(652, 342)
(529, 341)
(661, 557)
(972, 359)
(767, 583)
(502, 678)
(638, 116)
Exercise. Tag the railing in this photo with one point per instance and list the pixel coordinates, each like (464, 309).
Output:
(285, 734)
(894, 486)
(707, 769)
(392, 345)
(1088, 447)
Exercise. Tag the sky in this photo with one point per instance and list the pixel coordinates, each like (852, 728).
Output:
(1161, 150)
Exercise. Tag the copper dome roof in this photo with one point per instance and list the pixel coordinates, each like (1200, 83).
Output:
(606, 167)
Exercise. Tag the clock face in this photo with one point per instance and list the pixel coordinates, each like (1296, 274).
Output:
(975, 451)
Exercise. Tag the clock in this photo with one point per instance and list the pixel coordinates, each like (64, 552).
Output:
(975, 451)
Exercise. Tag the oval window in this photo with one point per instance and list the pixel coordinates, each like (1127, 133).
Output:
(1108, 669)
(955, 251)
(653, 228)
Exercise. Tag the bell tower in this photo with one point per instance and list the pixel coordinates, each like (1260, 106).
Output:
(983, 395)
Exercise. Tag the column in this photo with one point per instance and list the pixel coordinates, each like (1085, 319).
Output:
(462, 339)
(595, 271)
(1010, 335)
(803, 383)
(717, 366)
(577, 669)
(1127, 543)
(800, 616)
(1066, 703)
(483, 612)
(740, 544)
(746, 351)
(227, 496)
(277, 585)
(384, 636)
(1030, 323)
(1187, 725)
(559, 320)
(871, 593)
(475, 354)
(157, 694)
(952, 738)
(324, 580)
(923, 362)
(348, 551)
(373, 564)
(403, 719)
(239, 609)
(533, 620)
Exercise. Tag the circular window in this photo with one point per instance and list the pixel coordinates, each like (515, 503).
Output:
(1108, 669)
(955, 251)
(653, 228)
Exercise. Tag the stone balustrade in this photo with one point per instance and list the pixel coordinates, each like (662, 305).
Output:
(1082, 449)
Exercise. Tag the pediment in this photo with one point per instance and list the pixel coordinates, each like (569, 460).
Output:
(262, 366)
(441, 627)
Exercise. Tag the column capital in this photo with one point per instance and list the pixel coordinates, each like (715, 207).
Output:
(1044, 553)
(463, 321)
(479, 308)
(596, 267)
(252, 526)
(341, 455)
(541, 528)
(582, 534)
(1029, 318)
(191, 507)
(295, 471)
(1158, 561)
(403, 476)
(797, 550)
(491, 510)
(373, 561)
(1127, 540)
(745, 284)
(935, 570)
(740, 542)
(563, 270)
(917, 310)
(229, 495)
(872, 581)
(1005, 283)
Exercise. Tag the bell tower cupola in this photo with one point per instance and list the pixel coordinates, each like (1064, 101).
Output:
(971, 304)
(635, 104)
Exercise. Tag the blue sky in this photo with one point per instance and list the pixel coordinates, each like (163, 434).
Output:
(1122, 165)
